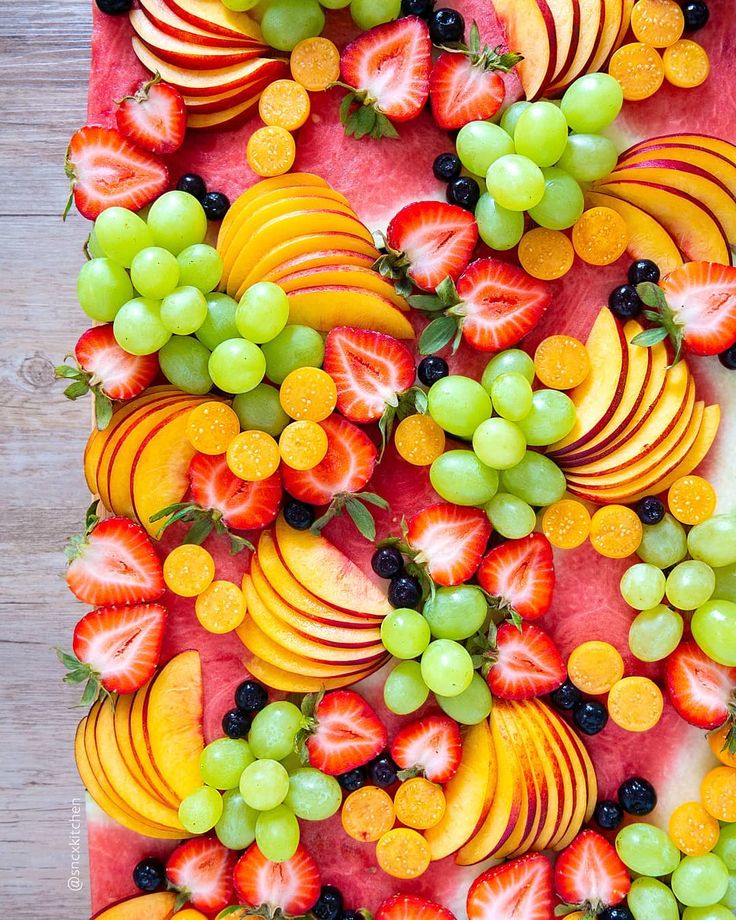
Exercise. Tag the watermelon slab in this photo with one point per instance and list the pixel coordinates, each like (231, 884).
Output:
(379, 178)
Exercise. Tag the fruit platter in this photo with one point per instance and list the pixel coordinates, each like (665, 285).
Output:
(407, 590)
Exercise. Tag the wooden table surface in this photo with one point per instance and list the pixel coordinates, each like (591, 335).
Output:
(44, 58)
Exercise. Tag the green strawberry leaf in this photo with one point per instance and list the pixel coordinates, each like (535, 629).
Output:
(438, 334)
(362, 518)
(650, 337)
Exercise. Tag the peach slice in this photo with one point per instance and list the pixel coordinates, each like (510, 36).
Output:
(327, 572)
(547, 813)
(715, 164)
(288, 682)
(591, 21)
(229, 117)
(564, 775)
(626, 7)
(168, 21)
(216, 17)
(325, 307)
(172, 719)
(343, 275)
(318, 259)
(142, 747)
(566, 16)
(587, 791)
(121, 718)
(530, 30)
(221, 102)
(706, 141)
(290, 254)
(157, 906)
(612, 18)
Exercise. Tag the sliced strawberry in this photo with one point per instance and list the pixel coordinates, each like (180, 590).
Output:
(430, 747)
(242, 505)
(702, 691)
(449, 540)
(341, 731)
(107, 171)
(521, 575)
(114, 562)
(527, 663)
(520, 889)
(154, 116)
(201, 870)
(387, 70)
(285, 888)
(589, 874)
(412, 907)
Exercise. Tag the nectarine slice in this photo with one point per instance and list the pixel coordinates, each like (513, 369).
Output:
(343, 275)
(157, 906)
(216, 17)
(318, 259)
(706, 141)
(228, 117)
(323, 308)
(290, 254)
(588, 792)
(711, 162)
(612, 17)
(566, 16)
(221, 102)
(288, 682)
(142, 747)
(530, 30)
(626, 7)
(591, 13)
(166, 19)
(121, 718)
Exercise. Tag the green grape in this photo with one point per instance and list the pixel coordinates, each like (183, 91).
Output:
(264, 784)
(200, 811)
(236, 828)
(200, 266)
(712, 912)
(479, 143)
(562, 202)
(551, 418)
(511, 116)
(154, 272)
(138, 328)
(647, 849)
(121, 234)
(405, 633)
(663, 544)
(404, 690)
(588, 157)
(262, 313)
(92, 247)
(700, 881)
(690, 584)
(725, 587)
(239, 6)
(511, 361)
(458, 404)
(512, 517)
(472, 705)
(177, 220)
(447, 668)
(592, 102)
(334, 4)
(536, 479)
(499, 443)
(498, 227)
(260, 408)
(184, 362)
(511, 395)
(516, 182)
(237, 366)
(184, 310)
(277, 833)
(219, 324)
(274, 729)
(649, 899)
(257, 11)
(456, 612)
(541, 133)
(369, 13)
(726, 846)
(459, 477)
(287, 22)
(313, 795)
(296, 346)
(714, 541)
(729, 899)
(222, 762)
(642, 586)
(291, 762)
(714, 629)
(655, 633)
(103, 287)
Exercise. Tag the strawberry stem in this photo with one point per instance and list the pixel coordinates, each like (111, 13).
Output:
(80, 673)
(355, 505)
(483, 56)
(203, 522)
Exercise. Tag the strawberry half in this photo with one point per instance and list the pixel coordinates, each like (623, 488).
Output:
(107, 171)
(106, 370)
(520, 574)
(426, 242)
(590, 875)
(430, 747)
(113, 562)
(201, 870)
(412, 907)
(242, 505)
(493, 306)
(449, 541)
(702, 691)
(285, 888)
(386, 70)
(116, 649)
(526, 663)
(520, 889)
(153, 117)
(341, 732)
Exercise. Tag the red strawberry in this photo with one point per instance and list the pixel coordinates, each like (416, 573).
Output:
(521, 574)
(702, 691)
(285, 888)
(113, 562)
(202, 872)
(412, 907)
(430, 747)
(116, 649)
(242, 505)
(449, 540)
(527, 663)
(106, 170)
(154, 117)
(387, 70)
(520, 889)
(341, 731)
(590, 874)
(426, 242)
(106, 370)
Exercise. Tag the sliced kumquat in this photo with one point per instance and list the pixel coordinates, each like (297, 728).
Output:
(546, 254)
(691, 499)
(188, 570)
(253, 455)
(419, 803)
(718, 741)
(718, 793)
(285, 104)
(308, 393)
(615, 531)
(419, 440)
(303, 445)
(635, 704)
(686, 64)
(403, 853)
(315, 63)
(211, 427)
(271, 151)
(639, 69)
(658, 23)
(368, 814)
(220, 608)
(600, 236)
(692, 830)
(561, 362)
(566, 524)
(594, 667)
